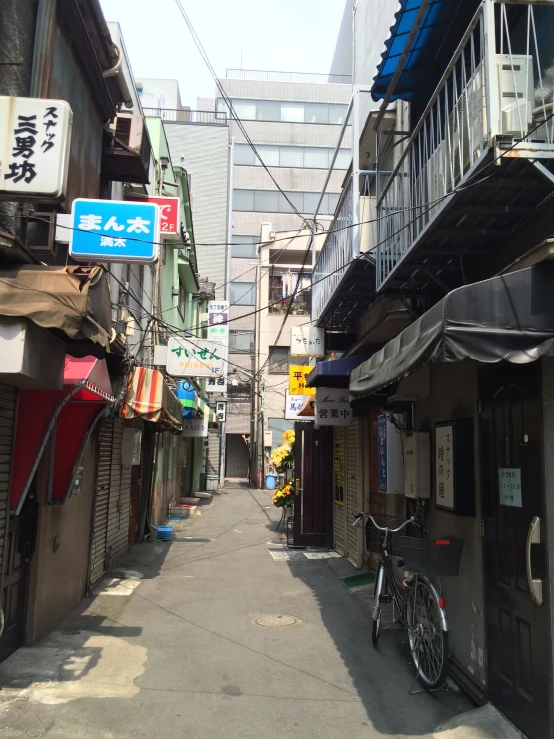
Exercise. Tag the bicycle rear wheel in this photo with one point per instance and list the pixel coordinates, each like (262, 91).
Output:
(428, 641)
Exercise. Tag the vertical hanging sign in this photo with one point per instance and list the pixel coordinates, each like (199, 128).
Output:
(218, 330)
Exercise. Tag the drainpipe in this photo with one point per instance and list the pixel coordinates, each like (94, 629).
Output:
(113, 52)
(44, 31)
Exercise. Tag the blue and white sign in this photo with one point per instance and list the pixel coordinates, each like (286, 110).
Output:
(114, 231)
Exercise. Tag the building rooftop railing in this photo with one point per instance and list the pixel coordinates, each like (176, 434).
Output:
(263, 75)
(203, 117)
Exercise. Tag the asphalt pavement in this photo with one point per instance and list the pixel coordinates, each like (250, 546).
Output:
(213, 636)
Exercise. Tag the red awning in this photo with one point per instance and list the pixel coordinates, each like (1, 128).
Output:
(69, 415)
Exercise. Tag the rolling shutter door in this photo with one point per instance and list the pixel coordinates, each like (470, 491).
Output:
(119, 510)
(213, 451)
(339, 505)
(8, 399)
(352, 505)
(101, 503)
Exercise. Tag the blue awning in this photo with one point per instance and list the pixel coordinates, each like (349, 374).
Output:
(421, 69)
(334, 372)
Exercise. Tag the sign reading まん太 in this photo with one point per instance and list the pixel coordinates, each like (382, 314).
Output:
(307, 341)
(196, 358)
(114, 231)
(35, 136)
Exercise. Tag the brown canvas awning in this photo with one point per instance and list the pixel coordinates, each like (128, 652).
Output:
(72, 301)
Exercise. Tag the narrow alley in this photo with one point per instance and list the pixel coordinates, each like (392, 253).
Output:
(182, 655)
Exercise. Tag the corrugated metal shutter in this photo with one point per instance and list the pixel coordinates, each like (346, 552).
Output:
(213, 451)
(101, 503)
(117, 538)
(237, 456)
(352, 505)
(8, 401)
(339, 469)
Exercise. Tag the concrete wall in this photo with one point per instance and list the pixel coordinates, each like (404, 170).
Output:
(342, 58)
(59, 566)
(454, 394)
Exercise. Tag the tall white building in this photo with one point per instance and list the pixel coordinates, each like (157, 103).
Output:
(294, 121)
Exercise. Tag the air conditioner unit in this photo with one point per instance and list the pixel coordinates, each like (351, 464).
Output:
(128, 130)
(516, 90)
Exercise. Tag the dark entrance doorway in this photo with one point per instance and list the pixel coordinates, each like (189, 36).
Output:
(237, 457)
(18, 552)
(513, 495)
(313, 472)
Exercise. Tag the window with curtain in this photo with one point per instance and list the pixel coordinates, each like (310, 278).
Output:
(279, 359)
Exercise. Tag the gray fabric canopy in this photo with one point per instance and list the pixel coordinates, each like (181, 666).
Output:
(510, 318)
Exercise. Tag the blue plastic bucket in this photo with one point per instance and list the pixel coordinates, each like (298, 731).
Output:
(270, 482)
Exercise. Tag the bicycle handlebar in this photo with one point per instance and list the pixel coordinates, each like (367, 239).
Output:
(360, 516)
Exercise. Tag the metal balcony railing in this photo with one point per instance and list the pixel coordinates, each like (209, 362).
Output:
(498, 83)
(336, 254)
(272, 76)
(205, 117)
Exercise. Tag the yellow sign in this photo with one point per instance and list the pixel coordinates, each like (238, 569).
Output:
(297, 380)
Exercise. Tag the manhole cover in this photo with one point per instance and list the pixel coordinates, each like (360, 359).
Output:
(275, 619)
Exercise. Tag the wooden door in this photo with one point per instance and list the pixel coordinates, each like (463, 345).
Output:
(313, 466)
(513, 495)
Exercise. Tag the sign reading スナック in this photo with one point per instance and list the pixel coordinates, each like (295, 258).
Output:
(297, 380)
(299, 407)
(198, 427)
(114, 231)
(170, 210)
(35, 136)
(218, 330)
(307, 341)
(332, 407)
(221, 410)
(196, 358)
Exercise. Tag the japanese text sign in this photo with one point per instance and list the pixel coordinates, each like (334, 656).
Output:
(221, 410)
(196, 358)
(216, 384)
(307, 341)
(298, 408)
(444, 466)
(198, 427)
(35, 137)
(218, 321)
(170, 208)
(114, 231)
(509, 484)
(297, 380)
(332, 407)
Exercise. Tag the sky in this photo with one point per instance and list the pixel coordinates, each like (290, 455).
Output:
(281, 35)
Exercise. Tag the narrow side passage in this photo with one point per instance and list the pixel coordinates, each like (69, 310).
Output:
(193, 657)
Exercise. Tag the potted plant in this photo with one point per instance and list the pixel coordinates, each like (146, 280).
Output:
(284, 496)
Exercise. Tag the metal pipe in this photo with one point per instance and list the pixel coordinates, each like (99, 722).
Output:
(44, 30)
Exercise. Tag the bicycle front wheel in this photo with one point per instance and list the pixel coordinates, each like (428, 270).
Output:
(428, 641)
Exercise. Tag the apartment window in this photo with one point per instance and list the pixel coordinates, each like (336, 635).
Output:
(241, 342)
(278, 359)
(278, 426)
(243, 199)
(291, 156)
(273, 201)
(244, 247)
(285, 111)
(306, 157)
(182, 305)
(243, 293)
(286, 287)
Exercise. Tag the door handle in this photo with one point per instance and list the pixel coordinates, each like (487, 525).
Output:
(533, 537)
(297, 488)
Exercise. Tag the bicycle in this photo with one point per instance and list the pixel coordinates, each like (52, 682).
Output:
(420, 607)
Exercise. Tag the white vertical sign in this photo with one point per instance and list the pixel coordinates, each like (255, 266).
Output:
(35, 136)
(218, 330)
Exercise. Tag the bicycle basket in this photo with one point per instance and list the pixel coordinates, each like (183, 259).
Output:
(439, 557)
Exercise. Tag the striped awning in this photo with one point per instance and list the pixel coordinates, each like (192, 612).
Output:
(206, 411)
(150, 397)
